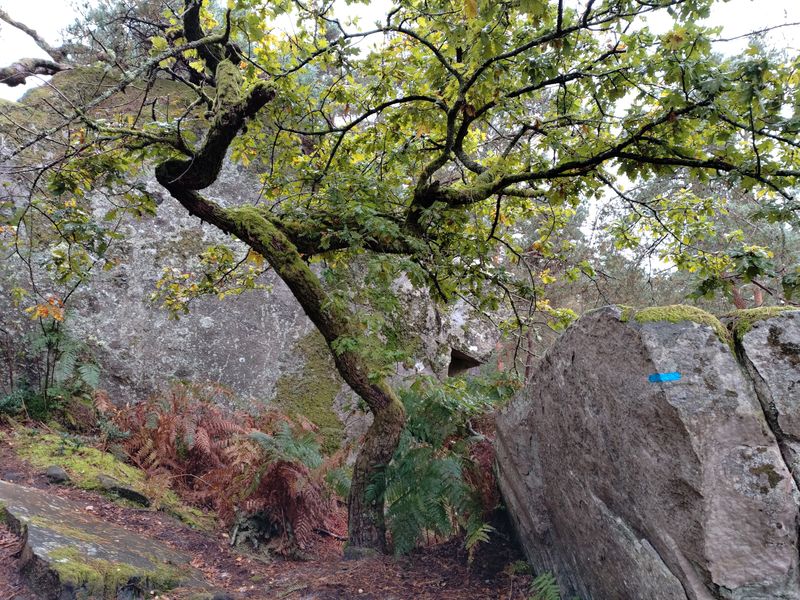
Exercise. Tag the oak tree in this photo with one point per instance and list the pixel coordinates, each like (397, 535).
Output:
(423, 141)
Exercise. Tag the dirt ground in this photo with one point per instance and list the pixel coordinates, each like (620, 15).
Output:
(437, 572)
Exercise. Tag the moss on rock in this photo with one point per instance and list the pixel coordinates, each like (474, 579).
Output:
(678, 313)
(311, 391)
(67, 531)
(625, 312)
(768, 470)
(95, 578)
(742, 321)
(85, 464)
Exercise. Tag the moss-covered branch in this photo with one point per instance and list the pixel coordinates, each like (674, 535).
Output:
(258, 229)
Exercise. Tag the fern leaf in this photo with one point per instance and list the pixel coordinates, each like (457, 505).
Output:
(90, 375)
(545, 587)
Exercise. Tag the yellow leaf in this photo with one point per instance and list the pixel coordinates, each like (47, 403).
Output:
(471, 8)
(159, 43)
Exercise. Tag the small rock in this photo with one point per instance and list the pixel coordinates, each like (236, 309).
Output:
(12, 476)
(56, 474)
(109, 484)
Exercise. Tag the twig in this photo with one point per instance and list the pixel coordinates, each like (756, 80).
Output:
(335, 536)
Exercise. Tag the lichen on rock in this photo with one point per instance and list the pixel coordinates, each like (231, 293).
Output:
(626, 484)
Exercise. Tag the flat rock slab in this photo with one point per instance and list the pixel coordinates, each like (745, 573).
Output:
(72, 555)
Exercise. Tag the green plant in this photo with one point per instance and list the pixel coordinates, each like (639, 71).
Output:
(545, 587)
(14, 403)
(437, 482)
(59, 367)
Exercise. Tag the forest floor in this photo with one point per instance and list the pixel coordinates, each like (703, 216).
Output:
(438, 571)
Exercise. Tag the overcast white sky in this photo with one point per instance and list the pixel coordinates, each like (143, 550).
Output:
(49, 17)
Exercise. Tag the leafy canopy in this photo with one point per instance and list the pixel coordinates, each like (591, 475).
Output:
(452, 138)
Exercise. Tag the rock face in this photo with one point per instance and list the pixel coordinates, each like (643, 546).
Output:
(638, 463)
(247, 343)
(260, 345)
(769, 344)
(70, 554)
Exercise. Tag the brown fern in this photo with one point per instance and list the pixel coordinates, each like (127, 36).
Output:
(205, 453)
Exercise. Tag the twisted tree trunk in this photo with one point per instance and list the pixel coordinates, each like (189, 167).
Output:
(258, 229)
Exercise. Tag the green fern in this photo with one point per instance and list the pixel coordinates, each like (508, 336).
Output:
(477, 533)
(285, 445)
(65, 369)
(90, 375)
(426, 487)
(339, 481)
(545, 587)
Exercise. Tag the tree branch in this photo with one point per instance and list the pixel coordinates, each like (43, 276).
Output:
(18, 72)
(58, 54)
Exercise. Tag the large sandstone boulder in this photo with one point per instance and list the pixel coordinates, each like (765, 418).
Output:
(638, 463)
(768, 342)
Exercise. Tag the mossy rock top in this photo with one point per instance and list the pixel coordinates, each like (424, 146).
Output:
(740, 322)
(675, 313)
(86, 467)
(73, 549)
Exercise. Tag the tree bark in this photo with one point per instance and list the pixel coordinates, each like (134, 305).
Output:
(256, 228)
(18, 72)
(366, 523)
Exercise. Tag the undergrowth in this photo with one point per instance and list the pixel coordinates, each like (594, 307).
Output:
(264, 475)
(545, 587)
(441, 480)
(61, 372)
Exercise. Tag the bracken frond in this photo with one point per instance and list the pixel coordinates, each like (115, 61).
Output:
(267, 467)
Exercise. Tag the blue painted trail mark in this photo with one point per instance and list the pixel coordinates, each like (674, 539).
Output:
(658, 377)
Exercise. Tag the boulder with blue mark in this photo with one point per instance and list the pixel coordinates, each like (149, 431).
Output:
(626, 485)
